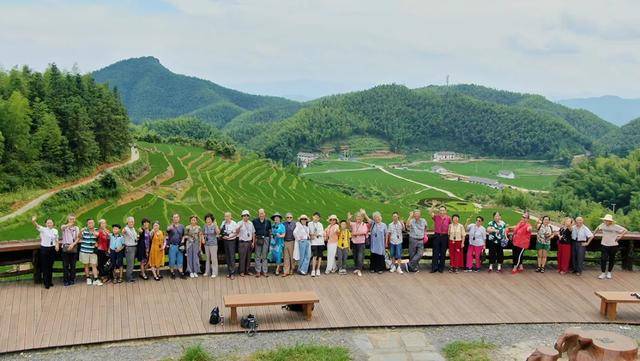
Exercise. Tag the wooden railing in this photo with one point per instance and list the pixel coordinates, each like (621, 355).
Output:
(14, 253)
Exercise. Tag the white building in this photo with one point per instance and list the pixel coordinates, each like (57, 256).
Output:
(508, 174)
(304, 159)
(438, 169)
(486, 182)
(446, 155)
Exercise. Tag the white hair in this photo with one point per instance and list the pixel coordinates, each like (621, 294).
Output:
(376, 214)
(130, 219)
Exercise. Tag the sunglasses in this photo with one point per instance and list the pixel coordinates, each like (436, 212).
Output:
(245, 215)
(289, 217)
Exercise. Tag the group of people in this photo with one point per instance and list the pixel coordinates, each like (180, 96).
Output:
(298, 245)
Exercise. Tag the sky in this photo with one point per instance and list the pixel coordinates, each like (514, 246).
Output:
(304, 49)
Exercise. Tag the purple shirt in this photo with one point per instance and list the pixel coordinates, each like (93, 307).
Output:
(441, 223)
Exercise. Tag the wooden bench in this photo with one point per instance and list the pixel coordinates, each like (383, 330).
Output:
(609, 302)
(304, 298)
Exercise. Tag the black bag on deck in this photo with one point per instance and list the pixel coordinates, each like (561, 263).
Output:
(296, 307)
(214, 318)
(250, 322)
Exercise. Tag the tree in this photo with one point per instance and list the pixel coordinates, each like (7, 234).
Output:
(15, 125)
(52, 146)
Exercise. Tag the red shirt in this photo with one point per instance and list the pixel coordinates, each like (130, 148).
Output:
(522, 234)
(103, 240)
(441, 223)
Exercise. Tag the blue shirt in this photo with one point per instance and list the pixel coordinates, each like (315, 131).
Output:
(378, 236)
(116, 242)
(88, 241)
(276, 230)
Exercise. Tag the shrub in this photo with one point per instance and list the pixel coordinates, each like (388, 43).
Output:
(468, 351)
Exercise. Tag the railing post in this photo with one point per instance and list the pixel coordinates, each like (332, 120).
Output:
(35, 263)
(627, 254)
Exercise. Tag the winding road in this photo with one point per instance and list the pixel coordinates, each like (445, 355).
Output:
(135, 155)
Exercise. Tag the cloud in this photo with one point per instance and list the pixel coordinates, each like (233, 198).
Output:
(310, 47)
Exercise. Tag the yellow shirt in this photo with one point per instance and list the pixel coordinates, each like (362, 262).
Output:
(343, 238)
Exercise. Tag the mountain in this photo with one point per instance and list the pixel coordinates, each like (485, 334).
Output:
(614, 109)
(584, 121)
(623, 140)
(434, 119)
(151, 91)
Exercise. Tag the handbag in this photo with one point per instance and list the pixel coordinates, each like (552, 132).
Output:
(66, 248)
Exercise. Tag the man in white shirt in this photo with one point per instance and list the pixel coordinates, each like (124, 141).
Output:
(48, 248)
(247, 237)
(581, 236)
(228, 232)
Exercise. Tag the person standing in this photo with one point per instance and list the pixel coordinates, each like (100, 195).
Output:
(131, 246)
(246, 234)
(497, 241)
(543, 242)
(211, 232)
(378, 232)
(156, 251)
(456, 235)
(477, 240)
(521, 239)
(229, 238)
(344, 238)
(331, 235)
(441, 222)
(289, 245)
(262, 226)
(276, 245)
(359, 232)
(116, 252)
(144, 243)
(316, 232)
(611, 234)
(70, 236)
(88, 236)
(102, 250)
(564, 245)
(193, 238)
(302, 236)
(417, 227)
(581, 236)
(48, 248)
(394, 242)
(175, 234)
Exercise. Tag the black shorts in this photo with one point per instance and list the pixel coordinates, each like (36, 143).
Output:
(316, 251)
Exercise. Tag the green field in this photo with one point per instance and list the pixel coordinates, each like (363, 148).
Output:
(202, 182)
(529, 174)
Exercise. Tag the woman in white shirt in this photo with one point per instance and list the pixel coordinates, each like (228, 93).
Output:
(301, 235)
(48, 249)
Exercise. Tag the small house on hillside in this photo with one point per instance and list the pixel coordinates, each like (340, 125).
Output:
(304, 159)
(508, 174)
(446, 155)
(486, 182)
(438, 169)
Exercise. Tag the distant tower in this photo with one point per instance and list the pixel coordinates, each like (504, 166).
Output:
(447, 79)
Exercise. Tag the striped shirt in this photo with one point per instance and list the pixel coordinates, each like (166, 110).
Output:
(88, 241)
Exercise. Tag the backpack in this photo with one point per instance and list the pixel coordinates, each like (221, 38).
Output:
(214, 318)
(250, 323)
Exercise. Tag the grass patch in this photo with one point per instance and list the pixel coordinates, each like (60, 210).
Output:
(303, 353)
(468, 351)
(196, 353)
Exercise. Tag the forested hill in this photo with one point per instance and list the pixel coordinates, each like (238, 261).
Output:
(56, 125)
(584, 121)
(623, 140)
(427, 118)
(151, 91)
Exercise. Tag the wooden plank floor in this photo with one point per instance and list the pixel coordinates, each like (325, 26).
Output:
(32, 317)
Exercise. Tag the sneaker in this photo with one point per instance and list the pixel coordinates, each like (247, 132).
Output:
(313, 273)
(97, 283)
(66, 283)
(359, 273)
(609, 275)
(195, 275)
(213, 276)
(399, 270)
(318, 273)
(89, 281)
(191, 275)
(393, 268)
(173, 276)
(468, 270)
(602, 276)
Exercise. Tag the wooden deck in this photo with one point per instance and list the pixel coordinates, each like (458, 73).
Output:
(32, 317)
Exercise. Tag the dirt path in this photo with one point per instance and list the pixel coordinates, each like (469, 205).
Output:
(135, 155)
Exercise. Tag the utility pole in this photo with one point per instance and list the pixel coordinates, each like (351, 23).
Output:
(613, 205)
(447, 80)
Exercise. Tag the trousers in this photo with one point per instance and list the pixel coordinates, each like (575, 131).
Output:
(332, 249)
(416, 249)
(47, 256)
(578, 250)
(456, 254)
(439, 245)
(608, 258)
(244, 252)
(261, 252)
(288, 256)
(230, 256)
(130, 256)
